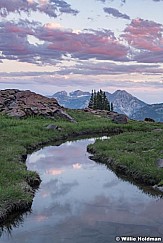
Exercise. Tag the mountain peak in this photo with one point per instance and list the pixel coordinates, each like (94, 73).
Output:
(78, 92)
(121, 92)
(60, 94)
(126, 103)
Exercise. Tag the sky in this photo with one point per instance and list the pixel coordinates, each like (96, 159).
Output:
(53, 45)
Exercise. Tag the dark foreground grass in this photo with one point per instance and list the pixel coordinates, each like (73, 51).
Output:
(18, 137)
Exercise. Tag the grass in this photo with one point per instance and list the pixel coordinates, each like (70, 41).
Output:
(19, 136)
(135, 152)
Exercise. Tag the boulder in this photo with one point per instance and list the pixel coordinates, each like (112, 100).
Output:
(120, 119)
(22, 104)
(64, 115)
(159, 163)
(147, 119)
(157, 130)
(52, 127)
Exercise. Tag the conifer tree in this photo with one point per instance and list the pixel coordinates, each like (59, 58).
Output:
(98, 100)
(91, 101)
(95, 100)
(111, 106)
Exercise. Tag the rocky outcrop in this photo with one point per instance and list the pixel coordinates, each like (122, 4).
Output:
(148, 119)
(120, 119)
(21, 104)
(102, 113)
(114, 116)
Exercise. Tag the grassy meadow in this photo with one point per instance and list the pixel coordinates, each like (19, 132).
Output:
(134, 154)
(137, 148)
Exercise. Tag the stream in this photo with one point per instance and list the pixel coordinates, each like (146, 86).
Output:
(82, 201)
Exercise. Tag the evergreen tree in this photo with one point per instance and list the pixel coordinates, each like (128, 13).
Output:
(95, 100)
(111, 106)
(98, 100)
(91, 101)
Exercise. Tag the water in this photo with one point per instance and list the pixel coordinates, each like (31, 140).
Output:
(81, 201)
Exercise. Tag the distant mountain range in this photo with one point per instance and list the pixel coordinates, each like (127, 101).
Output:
(154, 111)
(123, 102)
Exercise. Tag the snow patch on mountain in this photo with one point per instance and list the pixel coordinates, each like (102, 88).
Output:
(123, 102)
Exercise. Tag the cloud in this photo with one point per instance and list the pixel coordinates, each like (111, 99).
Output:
(84, 45)
(104, 1)
(57, 43)
(104, 68)
(141, 41)
(114, 12)
(15, 45)
(26, 74)
(52, 8)
(123, 1)
(147, 40)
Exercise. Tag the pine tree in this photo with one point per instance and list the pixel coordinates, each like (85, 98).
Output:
(95, 100)
(98, 100)
(91, 101)
(111, 106)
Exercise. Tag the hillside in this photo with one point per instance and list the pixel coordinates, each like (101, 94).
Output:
(154, 111)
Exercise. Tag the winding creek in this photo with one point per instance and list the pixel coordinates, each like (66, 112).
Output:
(81, 201)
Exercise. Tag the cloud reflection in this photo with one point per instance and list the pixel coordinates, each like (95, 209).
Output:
(54, 172)
(77, 166)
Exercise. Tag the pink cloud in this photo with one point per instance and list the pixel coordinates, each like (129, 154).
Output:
(15, 45)
(50, 7)
(85, 45)
(56, 42)
(144, 35)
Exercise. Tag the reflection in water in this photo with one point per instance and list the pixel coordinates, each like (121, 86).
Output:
(15, 221)
(54, 171)
(80, 201)
(77, 166)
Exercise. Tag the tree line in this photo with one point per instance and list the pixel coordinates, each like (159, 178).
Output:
(98, 100)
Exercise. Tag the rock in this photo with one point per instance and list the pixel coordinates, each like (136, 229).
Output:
(17, 113)
(22, 104)
(157, 130)
(120, 119)
(101, 113)
(147, 119)
(52, 127)
(87, 109)
(159, 188)
(64, 115)
(111, 114)
(159, 163)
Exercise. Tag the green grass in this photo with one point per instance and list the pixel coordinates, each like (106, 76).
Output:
(19, 136)
(137, 152)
